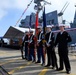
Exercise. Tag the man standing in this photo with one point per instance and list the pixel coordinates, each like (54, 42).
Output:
(62, 40)
(39, 43)
(40, 52)
(51, 57)
(25, 43)
(31, 47)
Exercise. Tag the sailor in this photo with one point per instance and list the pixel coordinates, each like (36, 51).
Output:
(31, 47)
(62, 40)
(40, 52)
(51, 56)
(25, 44)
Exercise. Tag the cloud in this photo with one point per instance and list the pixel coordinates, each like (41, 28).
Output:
(6, 5)
(19, 4)
(2, 13)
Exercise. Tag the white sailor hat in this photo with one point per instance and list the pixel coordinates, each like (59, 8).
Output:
(63, 25)
(26, 31)
(49, 26)
(31, 31)
(39, 27)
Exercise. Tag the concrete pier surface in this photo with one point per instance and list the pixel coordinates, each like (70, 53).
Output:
(11, 63)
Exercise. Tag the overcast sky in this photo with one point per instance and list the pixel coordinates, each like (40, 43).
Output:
(11, 10)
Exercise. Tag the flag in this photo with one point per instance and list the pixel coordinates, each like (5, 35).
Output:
(44, 26)
(36, 23)
(44, 21)
(30, 21)
(36, 31)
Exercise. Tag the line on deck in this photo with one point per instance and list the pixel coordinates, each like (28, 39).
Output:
(18, 68)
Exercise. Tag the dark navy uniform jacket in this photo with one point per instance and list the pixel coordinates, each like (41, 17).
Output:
(40, 38)
(62, 40)
(25, 40)
(32, 43)
(52, 38)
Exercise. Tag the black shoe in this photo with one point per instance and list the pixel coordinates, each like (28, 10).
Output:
(42, 64)
(47, 65)
(52, 67)
(56, 69)
(23, 57)
(29, 60)
(59, 69)
(37, 62)
(33, 61)
(68, 72)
